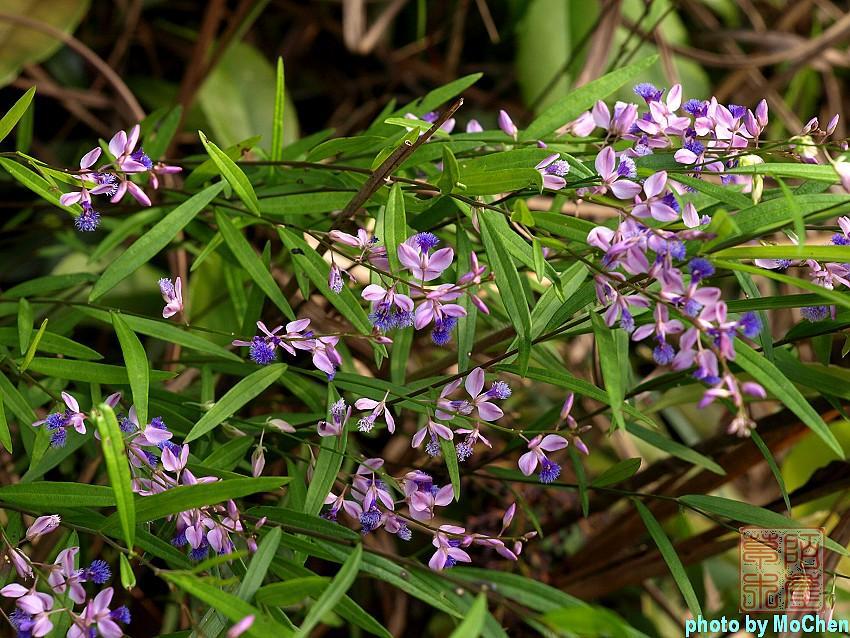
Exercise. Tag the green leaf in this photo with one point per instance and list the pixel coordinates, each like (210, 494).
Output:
(499, 181)
(49, 283)
(508, 281)
(332, 595)
(230, 606)
(279, 207)
(37, 184)
(774, 468)
(136, 362)
(317, 269)
(581, 479)
(118, 470)
(5, 435)
(668, 552)
(234, 175)
(128, 578)
(473, 623)
(674, 448)
(395, 227)
(722, 194)
(153, 241)
(328, 463)
(617, 473)
(239, 395)
(279, 107)
(259, 565)
(15, 113)
(609, 361)
(183, 497)
(34, 346)
(787, 251)
(57, 495)
(251, 262)
(158, 140)
(450, 456)
(583, 98)
(539, 259)
(779, 386)
(451, 171)
(750, 514)
(773, 214)
(166, 332)
(89, 372)
(304, 523)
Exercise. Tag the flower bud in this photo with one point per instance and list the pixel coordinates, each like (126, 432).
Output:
(43, 525)
(281, 425)
(507, 124)
(258, 461)
(20, 562)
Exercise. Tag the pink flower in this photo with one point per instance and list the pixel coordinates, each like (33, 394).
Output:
(423, 502)
(377, 409)
(423, 265)
(65, 576)
(173, 296)
(435, 431)
(103, 183)
(448, 551)
(656, 204)
(43, 525)
(97, 614)
(617, 177)
(507, 124)
(241, 627)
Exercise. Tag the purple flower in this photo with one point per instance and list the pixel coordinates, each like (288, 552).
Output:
(340, 412)
(435, 431)
(553, 170)
(335, 281)
(97, 615)
(700, 268)
(241, 627)
(421, 263)
(43, 525)
(377, 409)
(614, 175)
(473, 126)
(122, 147)
(621, 122)
(88, 220)
(507, 124)
(389, 308)
(172, 294)
(434, 308)
(448, 549)
(538, 446)
(655, 204)
(649, 92)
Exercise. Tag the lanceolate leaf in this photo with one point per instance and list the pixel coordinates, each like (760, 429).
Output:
(233, 174)
(118, 470)
(473, 623)
(136, 362)
(668, 552)
(153, 241)
(775, 382)
(5, 435)
(395, 227)
(14, 114)
(251, 262)
(581, 99)
(609, 361)
(335, 591)
(235, 398)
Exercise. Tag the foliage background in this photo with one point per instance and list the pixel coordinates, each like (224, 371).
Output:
(344, 62)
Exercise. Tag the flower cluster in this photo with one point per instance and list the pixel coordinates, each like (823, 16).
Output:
(114, 179)
(158, 464)
(58, 423)
(43, 585)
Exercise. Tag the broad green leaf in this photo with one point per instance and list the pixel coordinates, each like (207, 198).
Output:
(581, 99)
(14, 114)
(450, 456)
(722, 194)
(609, 361)
(775, 382)
(89, 371)
(617, 473)
(473, 623)
(153, 241)
(239, 395)
(5, 435)
(58, 495)
(279, 109)
(136, 362)
(395, 227)
(668, 552)
(251, 262)
(335, 591)
(795, 170)
(588, 622)
(317, 269)
(234, 175)
(750, 514)
(674, 448)
(118, 470)
(328, 463)
(281, 206)
(773, 214)
(232, 607)
(451, 171)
